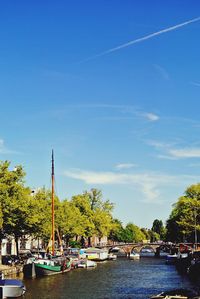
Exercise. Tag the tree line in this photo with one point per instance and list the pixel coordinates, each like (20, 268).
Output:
(183, 224)
(27, 213)
(23, 212)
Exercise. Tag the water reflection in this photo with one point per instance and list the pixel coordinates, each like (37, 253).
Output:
(112, 280)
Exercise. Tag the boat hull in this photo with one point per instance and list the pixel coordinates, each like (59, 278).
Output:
(12, 288)
(171, 259)
(134, 257)
(46, 267)
(44, 270)
(29, 270)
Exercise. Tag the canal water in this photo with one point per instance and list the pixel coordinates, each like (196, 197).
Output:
(118, 279)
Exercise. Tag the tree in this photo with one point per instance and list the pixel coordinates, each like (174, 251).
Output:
(116, 231)
(14, 200)
(97, 212)
(153, 236)
(158, 228)
(135, 232)
(184, 220)
(71, 223)
(103, 223)
(146, 232)
(82, 202)
(40, 214)
(101, 213)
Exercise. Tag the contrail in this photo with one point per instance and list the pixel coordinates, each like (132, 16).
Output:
(138, 40)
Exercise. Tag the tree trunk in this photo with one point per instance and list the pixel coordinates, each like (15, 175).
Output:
(0, 252)
(67, 241)
(17, 245)
(89, 241)
(82, 242)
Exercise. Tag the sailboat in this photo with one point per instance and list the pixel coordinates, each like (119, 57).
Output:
(52, 264)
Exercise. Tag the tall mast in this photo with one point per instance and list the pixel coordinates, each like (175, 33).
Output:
(52, 204)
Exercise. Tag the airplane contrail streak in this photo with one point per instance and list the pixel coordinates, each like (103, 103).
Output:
(138, 40)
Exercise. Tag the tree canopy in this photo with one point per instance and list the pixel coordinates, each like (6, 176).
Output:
(184, 219)
(159, 228)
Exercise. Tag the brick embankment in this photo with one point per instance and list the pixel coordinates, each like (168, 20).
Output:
(10, 270)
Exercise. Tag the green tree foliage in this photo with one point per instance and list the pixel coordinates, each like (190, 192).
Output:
(185, 218)
(146, 232)
(25, 213)
(82, 202)
(135, 232)
(40, 215)
(103, 223)
(153, 236)
(15, 201)
(97, 213)
(159, 228)
(102, 217)
(71, 222)
(1, 218)
(116, 232)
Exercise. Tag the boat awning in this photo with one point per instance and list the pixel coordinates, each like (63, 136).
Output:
(9, 282)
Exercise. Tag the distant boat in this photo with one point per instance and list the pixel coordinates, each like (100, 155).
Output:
(115, 249)
(147, 252)
(171, 259)
(134, 255)
(112, 257)
(96, 254)
(86, 264)
(178, 294)
(11, 288)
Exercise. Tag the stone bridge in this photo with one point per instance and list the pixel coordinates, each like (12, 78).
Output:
(138, 247)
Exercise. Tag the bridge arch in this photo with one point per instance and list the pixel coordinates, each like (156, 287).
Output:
(138, 247)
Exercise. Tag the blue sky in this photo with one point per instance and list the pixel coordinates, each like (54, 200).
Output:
(113, 86)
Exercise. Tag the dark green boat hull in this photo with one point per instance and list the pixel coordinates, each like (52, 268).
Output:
(45, 270)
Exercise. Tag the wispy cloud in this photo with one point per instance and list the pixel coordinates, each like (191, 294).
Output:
(167, 157)
(144, 38)
(125, 166)
(195, 83)
(159, 144)
(171, 151)
(114, 112)
(150, 116)
(185, 153)
(150, 184)
(4, 149)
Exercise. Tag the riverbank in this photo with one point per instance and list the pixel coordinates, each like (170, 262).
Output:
(10, 270)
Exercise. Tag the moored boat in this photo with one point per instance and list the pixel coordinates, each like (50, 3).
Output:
(11, 288)
(86, 264)
(147, 252)
(177, 294)
(134, 255)
(44, 267)
(112, 257)
(171, 259)
(96, 254)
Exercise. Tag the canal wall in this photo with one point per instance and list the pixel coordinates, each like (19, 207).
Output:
(10, 270)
